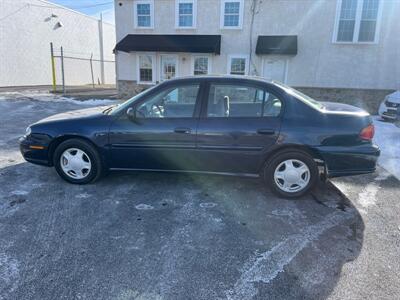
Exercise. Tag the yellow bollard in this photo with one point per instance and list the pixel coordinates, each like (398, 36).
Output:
(53, 67)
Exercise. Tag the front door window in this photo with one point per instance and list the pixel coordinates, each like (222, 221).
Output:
(178, 102)
(168, 67)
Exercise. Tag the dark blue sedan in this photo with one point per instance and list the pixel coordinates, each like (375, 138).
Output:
(218, 125)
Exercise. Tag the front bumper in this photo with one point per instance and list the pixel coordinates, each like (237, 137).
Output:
(346, 161)
(386, 112)
(34, 149)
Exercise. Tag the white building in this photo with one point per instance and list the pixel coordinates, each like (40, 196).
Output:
(26, 29)
(332, 49)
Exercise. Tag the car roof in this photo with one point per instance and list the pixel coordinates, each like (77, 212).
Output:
(222, 76)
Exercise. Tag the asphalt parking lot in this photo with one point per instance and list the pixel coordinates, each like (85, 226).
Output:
(169, 236)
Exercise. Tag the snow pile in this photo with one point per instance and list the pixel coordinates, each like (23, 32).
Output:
(48, 97)
(387, 137)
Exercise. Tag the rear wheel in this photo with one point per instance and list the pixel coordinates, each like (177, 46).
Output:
(77, 161)
(291, 174)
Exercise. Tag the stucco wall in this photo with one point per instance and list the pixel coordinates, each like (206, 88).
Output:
(26, 31)
(319, 62)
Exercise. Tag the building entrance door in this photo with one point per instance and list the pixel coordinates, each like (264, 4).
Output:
(275, 69)
(169, 66)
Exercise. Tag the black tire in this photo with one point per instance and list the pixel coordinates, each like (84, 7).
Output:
(278, 158)
(96, 170)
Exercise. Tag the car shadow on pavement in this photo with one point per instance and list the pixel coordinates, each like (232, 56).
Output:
(169, 236)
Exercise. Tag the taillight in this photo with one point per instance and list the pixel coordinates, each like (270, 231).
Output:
(368, 132)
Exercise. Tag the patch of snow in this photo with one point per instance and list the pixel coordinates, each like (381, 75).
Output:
(266, 266)
(19, 193)
(9, 273)
(48, 97)
(82, 196)
(207, 205)
(382, 176)
(217, 220)
(143, 207)
(89, 102)
(387, 137)
(368, 195)
(282, 212)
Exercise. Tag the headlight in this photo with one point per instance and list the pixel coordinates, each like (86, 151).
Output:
(28, 131)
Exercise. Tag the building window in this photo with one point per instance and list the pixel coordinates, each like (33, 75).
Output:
(369, 18)
(238, 65)
(144, 13)
(231, 14)
(185, 12)
(201, 65)
(357, 21)
(146, 68)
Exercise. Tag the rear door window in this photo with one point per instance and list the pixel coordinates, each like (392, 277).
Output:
(230, 101)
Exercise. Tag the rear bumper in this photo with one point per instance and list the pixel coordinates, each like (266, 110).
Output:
(347, 161)
(31, 153)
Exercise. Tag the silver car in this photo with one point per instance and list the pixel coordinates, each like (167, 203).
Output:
(390, 107)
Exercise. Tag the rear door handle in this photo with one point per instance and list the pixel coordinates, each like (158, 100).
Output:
(182, 130)
(265, 131)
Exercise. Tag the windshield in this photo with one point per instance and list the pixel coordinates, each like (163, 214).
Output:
(299, 95)
(114, 109)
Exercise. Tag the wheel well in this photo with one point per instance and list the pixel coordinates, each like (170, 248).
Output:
(57, 141)
(314, 154)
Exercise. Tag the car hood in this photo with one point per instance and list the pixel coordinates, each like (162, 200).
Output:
(341, 108)
(394, 97)
(76, 114)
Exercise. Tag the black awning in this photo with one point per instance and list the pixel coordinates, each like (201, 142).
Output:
(170, 43)
(277, 44)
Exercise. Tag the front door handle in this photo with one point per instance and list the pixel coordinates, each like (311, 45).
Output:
(182, 130)
(265, 131)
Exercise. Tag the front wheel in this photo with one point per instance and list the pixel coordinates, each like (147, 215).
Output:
(291, 174)
(77, 161)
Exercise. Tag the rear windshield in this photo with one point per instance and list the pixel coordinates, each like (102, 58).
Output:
(299, 95)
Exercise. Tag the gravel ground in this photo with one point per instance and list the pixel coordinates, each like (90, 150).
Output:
(168, 236)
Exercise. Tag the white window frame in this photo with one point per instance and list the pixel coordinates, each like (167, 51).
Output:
(153, 66)
(200, 56)
(245, 56)
(357, 24)
(194, 12)
(151, 2)
(222, 14)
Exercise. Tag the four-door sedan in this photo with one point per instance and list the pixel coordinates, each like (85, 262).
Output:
(214, 124)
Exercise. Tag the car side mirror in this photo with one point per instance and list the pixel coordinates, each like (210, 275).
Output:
(131, 113)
